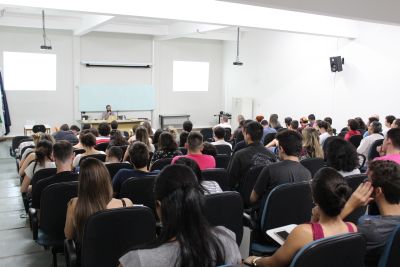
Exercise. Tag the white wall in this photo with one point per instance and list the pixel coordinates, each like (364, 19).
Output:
(289, 74)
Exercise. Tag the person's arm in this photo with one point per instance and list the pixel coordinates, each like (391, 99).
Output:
(363, 148)
(360, 197)
(128, 202)
(273, 143)
(69, 228)
(300, 236)
(27, 161)
(25, 184)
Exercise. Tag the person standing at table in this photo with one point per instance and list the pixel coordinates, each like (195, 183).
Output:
(106, 114)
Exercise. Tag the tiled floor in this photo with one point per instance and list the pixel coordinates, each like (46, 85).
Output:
(16, 245)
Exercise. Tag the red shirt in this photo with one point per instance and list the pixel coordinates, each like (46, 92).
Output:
(350, 134)
(204, 161)
(102, 139)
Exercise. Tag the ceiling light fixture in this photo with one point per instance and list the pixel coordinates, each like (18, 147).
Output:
(237, 61)
(45, 46)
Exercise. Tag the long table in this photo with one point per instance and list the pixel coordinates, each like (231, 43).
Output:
(123, 125)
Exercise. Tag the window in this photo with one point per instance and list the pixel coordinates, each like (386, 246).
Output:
(29, 71)
(190, 76)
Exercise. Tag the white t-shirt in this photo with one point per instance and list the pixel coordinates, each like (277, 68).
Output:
(221, 142)
(224, 125)
(367, 142)
(78, 157)
(323, 137)
(32, 169)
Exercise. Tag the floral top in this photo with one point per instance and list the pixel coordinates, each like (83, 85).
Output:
(165, 155)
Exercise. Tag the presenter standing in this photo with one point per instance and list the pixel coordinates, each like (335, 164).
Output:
(106, 114)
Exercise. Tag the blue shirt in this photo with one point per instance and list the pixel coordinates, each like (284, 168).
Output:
(266, 131)
(124, 174)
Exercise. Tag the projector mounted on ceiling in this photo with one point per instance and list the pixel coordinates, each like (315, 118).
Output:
(237, 62)
(45, 46)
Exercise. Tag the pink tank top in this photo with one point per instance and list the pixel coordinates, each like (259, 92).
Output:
(318, 232)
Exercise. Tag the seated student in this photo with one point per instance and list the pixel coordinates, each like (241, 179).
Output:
(183, 138)
(209, 149)
(331, 131)
(241, 121)
(395, 124)
(266, 130)
(194, 147)
(65, 134)
(42, 160)
(311, 119)
(187, 126)
(28, 156)
(142, 135)
(114, 154)
(239, 140)
(94, 194)
(361, 125)
(167, 148)
(288, 120)
(274, 122)
(391, 146)
(210, 187)
(224, 122)
(186, 238)
(288, 170)
(370, 120)
(311, 146)
(88, 142)
(252, 155)
(104, 133)
(75, 129)
(146, 124)
(323, 127)
(117, 139)
(330, 193)
(352, 126)
(114, 126)
(156, 137)
(219, 135)
(383, 186)
(63, 156)
(389, 119)
(342, 156)
(139, 158)
(374, 130)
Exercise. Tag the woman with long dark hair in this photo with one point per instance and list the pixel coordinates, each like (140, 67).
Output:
(186, 238)
(167, 147)
(94, 194)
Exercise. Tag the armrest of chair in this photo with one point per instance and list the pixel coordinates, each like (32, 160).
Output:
(249, 221)
(33, 216)
(70, 253)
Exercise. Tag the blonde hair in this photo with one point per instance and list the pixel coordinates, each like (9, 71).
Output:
(311, 143)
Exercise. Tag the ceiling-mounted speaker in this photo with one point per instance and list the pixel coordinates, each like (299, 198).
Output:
(336, 63)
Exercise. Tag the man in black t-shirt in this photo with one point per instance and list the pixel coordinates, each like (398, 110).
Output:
(253, 154)
(288, 170)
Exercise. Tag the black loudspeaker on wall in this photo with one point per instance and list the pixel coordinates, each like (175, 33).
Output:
(336, 63)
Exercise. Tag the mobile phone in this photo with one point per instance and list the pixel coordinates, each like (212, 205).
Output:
(282, 234)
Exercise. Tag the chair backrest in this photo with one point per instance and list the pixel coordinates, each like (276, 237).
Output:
(183, 150)
(223, 150)
(354, 181)
(17, 140)
(356, 140)
(372, 151)
(313, 164)
(101, 157)
(39, 128)
(207, 133)
(140, 191)
(226, 209)
(289, 203)
(108, 234)
(391, 253)
(347, 250)
(102, 146)
(219, 175)
(53, 207)
(222, 161)
(160, 164)
(248, 183)
(42, 174)
(268, 138)
(113, 168)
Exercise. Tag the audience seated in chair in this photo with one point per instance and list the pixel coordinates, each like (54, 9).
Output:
(166, 148)
(65, 133)
(186, 236)
(289, 169)
(187, 126)
(374, 133)
(389, 119)
(209, 187)
(75, 129)
(114, 154)
(117, 139)
(195, 146)
(142, 135)
(224, 122)
(311, 146)
(370, 120)
(342, 156)
(104, 133)
(43, 159)
(383, 187)
(391, 146)
(241, 122)
(114, 126)
(252, 155)
(63, 156)
(219, 135)
(353, 129)
(183, 138)
(94, 194)
(395, 124)
(323, 127)
(330, 193)
(266, 130)
(139, 158)
(28, 156)
(209, 149)
(88, 142)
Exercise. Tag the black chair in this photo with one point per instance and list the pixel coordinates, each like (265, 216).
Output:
(108, 234)
(391, 253)
(218, 175)
(102, 146)
(347, 250)
(207, 134)
(53, 209)
(113, 168)
(222, 161)
(362, 159)
(79, 151)
(289, 203)
(313, 164)
(268, 138)
(101, 157)
(16, 141)
(356, 140)
(160, 164)
(250, 179)
(223, 150)
(39, 128)
(24, 149)
(372, 151)
(226, 209)
(140, 191)
(183, 150)
(42, 174)
(354, 181)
